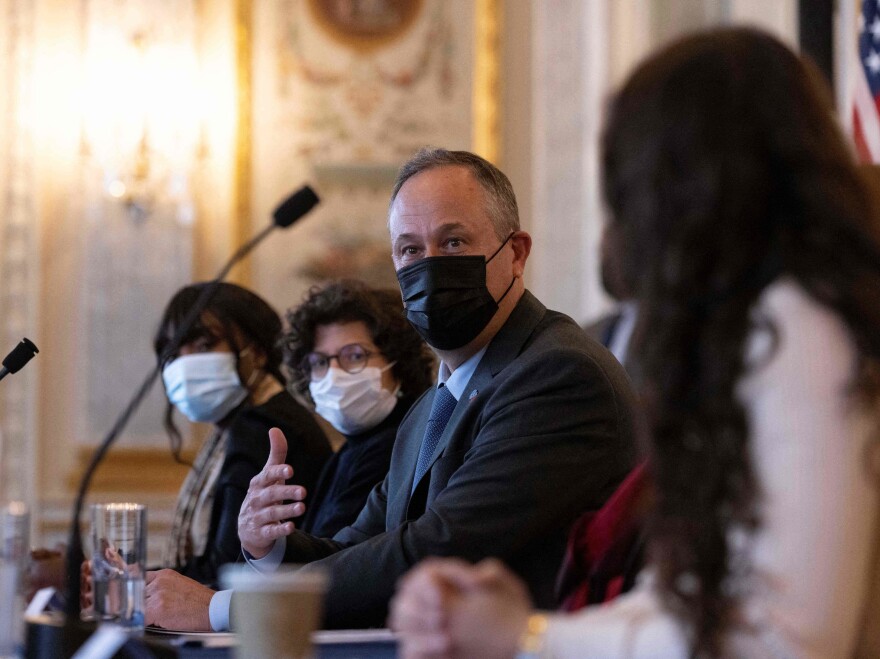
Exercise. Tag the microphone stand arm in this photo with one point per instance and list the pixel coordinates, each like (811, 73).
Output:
(75, 552)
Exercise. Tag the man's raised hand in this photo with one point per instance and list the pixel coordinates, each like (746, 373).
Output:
(264, 517)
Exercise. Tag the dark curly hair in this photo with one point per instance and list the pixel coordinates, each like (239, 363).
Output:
(381, 310)
(723, 170)
(234, 308)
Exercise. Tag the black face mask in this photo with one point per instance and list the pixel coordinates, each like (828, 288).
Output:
(446, 298)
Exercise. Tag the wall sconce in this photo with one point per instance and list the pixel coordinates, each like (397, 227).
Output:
(141, 125)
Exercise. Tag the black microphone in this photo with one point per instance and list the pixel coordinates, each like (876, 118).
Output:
(294, 207)
(286, 214)
(20, 355)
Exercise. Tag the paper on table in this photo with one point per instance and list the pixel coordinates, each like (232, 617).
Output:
(354, 636)
(221, 639)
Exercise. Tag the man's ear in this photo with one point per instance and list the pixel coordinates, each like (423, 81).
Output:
(521, 242)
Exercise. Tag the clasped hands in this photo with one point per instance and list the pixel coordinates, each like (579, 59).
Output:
(174, 601)
(448, 609)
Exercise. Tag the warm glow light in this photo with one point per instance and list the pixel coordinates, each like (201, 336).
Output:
(116, 189)
(141, 115)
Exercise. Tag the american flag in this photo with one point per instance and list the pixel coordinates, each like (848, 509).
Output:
(866, 85)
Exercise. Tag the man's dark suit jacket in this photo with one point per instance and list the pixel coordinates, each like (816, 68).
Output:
(543, 432)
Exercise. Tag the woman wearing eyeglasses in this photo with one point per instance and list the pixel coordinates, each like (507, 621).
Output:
(350, 351)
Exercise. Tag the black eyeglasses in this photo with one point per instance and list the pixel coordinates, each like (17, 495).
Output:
(351, 359)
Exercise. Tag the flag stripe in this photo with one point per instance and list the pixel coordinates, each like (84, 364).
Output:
(865, 91)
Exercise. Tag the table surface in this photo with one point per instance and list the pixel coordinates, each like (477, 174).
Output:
(44, 640)
(344, 644)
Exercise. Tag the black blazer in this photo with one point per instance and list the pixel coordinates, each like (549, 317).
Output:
(247, 450)
(543, 432)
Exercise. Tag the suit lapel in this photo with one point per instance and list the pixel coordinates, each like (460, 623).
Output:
(412, 448)
(506, 345)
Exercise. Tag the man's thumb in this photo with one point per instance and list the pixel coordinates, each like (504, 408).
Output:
(277, 447)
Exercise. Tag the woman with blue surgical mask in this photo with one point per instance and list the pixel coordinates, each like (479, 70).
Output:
(350, 351)
(228, 373)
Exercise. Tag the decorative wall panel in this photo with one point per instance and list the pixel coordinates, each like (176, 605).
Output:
(140, 139)
(19, 264)
(342, 100)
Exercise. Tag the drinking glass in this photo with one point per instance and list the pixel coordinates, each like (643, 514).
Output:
(13, 555)
(119, 552)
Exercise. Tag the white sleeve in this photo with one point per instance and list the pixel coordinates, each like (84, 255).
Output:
(270, 562)
(218, 610)
(633, 626)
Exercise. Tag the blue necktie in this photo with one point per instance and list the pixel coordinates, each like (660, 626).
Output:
(441, 410)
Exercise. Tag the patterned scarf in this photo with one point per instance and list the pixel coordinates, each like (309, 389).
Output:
(192, 516)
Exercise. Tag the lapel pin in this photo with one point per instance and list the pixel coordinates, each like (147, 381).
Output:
(473, 395)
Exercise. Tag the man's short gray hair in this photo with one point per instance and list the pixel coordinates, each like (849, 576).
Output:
(500, 199)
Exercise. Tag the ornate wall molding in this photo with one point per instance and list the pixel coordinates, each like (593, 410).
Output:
(19, 264)
(487, 80)
(241, 213)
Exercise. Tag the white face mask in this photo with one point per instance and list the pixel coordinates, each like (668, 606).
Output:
(204, 386)
(353, 402)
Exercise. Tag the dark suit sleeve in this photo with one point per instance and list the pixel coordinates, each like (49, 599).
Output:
(547, 444)
(305, 548)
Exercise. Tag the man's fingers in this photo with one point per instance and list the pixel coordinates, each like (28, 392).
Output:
(271, 475)
(277, 447)
(276, 531)
(274, 514)
(274, 494)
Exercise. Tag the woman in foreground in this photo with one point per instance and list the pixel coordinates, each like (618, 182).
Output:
(739, 213)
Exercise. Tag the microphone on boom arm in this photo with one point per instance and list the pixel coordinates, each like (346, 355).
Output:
(20, 355)
(286, 214)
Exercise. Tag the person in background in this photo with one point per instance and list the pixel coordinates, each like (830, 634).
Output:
(752, 238)
(228, 373)
(530, 424)
(350, 351)
(614, 330)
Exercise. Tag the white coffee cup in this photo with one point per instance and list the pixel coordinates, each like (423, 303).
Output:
(275, 614)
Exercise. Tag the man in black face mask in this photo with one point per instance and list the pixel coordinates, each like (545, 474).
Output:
(531, 423)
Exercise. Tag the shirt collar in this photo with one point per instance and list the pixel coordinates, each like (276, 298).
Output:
(458, 379)
(622, 332)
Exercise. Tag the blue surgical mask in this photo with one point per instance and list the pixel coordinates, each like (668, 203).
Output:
(204, 386)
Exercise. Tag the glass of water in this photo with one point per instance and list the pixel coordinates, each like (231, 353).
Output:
(119, 554)
(13, 557)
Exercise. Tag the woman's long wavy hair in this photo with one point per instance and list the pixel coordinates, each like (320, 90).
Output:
(724, 169)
